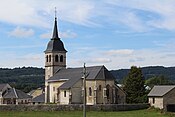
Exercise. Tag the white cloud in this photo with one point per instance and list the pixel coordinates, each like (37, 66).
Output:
(13, 59)
(98, 60)
(21, 12)
(22, 32)
(119, 52)
(124, 58)
(38, 13)
(45, 36)
(159, 13)
(68, 34)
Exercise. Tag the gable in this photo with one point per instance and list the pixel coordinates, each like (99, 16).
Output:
(104, 74)
(4, 87)
(160, 90)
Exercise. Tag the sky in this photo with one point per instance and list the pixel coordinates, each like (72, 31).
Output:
(114, 33)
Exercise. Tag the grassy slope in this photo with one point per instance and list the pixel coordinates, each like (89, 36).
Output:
(138, 113)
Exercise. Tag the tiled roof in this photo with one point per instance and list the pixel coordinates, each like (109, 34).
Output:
(2, 86)
(14, 93)
(72, 75)
(161, 90)
(40, 98)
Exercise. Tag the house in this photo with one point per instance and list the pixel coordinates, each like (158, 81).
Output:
(15, 96)
(65, 85)
(9, 95)
(162, 96)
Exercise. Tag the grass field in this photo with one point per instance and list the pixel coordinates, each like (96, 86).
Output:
(138, 113)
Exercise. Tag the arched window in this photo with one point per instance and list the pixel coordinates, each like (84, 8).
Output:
(49, 58)
(107, 91)
(61, 58)
(99, 88)
(90, 91)
(56, 58)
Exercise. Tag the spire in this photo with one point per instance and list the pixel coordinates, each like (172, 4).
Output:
(55, 31)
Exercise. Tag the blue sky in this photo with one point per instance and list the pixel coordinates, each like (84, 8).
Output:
(114, 33)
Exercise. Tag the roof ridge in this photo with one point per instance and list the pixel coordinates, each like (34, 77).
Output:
(15, 92)
(86, 67)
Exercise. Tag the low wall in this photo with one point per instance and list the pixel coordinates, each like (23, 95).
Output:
(72, 107)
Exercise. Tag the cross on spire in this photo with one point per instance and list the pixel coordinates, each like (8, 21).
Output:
(55, 31)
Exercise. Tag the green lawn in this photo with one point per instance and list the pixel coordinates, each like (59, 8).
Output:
(138, 113)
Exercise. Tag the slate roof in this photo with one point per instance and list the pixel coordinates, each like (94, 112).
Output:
(55, 44)
(72, 75)
(161, 90)
(14, 93)
(2, 86)
(40, 98)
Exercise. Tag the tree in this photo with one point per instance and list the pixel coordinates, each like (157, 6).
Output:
(158, 80)
(134, 86)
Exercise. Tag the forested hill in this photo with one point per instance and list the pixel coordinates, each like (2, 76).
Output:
(148, 72)
(25, 78)
(28, 78)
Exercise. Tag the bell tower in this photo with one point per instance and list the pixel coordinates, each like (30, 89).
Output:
(55, 58)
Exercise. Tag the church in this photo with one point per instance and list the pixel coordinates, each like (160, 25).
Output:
(65, 85)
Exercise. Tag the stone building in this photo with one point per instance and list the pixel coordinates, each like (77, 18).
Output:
(9, 95)
(162, 96)
(64, 85)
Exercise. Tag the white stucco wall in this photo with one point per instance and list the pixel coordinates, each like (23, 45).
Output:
(64, 99)
(158, 102)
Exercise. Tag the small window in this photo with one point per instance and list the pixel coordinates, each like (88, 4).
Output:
(53, 88)
(153, 100)
(61, 58)
(56, 58)
(64, 93)
(99, 87)
(90, 91)
(49, 58)
(107, 91)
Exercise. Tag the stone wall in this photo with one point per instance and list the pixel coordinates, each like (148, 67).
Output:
(77, 107)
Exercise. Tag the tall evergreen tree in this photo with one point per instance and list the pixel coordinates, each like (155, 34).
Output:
(134, 86)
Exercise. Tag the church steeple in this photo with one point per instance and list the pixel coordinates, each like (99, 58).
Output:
(55, 30)
(55, 44)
